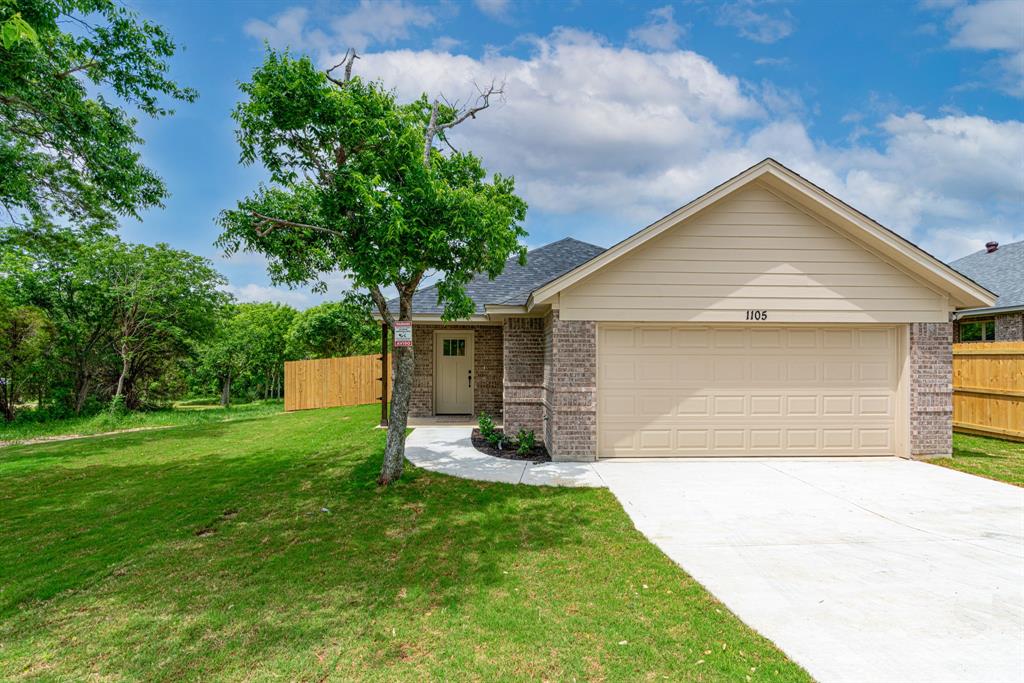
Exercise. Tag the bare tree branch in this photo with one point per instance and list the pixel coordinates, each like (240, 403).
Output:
(434, 128)
(270, 222)
(80, 67)
(347, 62)
(483, 101)
(428, 135)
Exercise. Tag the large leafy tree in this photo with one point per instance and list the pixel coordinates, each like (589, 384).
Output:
(247, 352)
(335, 328)
(62, 272)
(358, 185)
(24, 335)
(162, 301)
(72, 74)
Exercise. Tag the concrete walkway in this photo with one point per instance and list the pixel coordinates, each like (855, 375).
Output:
(859, 569)
(449, 450)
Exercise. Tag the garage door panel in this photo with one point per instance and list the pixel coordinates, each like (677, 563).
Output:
(667, 390)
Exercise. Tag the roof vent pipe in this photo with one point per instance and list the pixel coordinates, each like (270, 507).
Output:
(991, 246)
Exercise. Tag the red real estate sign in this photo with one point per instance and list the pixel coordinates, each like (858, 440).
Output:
(403, 334)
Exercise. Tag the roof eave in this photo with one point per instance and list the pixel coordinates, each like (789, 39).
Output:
(436, 318)
(991, 310)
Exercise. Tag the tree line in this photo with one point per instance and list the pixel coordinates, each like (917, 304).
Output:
(89, 321)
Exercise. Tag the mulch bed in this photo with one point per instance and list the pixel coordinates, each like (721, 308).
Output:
(537, 454)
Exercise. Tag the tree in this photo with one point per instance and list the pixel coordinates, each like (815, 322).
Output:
(66, 278)
(163, 302)
(337, 328)
(24, 334)
(358, 185)
(65, 150)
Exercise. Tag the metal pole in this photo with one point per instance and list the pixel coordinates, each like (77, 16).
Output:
(383, 374)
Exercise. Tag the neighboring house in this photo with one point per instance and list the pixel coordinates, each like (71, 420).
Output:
(999, 268)
(765, 317)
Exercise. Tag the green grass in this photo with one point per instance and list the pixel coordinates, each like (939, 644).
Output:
(261, 549)
(191, 414)
(992, 458)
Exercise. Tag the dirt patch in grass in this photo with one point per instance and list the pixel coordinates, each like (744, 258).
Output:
(536, 454)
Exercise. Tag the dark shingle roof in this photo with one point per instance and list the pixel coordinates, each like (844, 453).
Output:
(1002, 272)
(514, 285)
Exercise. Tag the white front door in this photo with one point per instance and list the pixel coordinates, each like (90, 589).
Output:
(453, 373)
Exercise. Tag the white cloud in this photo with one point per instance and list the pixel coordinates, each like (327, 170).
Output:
(497, 9)
(772, 61)
(383, 22)
(752, 23)
(992, 26)
(660, 32)
(591, 129)
(445, 44)
(252, 293)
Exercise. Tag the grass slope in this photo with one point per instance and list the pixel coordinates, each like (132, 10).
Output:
(259, 549)
(992, 458)
(25, 429)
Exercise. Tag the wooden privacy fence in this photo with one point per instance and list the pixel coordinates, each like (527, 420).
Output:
(988, 389)
(329, 382)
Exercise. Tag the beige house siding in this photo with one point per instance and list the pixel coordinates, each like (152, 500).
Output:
(752, 251)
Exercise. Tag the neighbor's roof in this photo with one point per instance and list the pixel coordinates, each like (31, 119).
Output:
(1002, 272)
(513, 286)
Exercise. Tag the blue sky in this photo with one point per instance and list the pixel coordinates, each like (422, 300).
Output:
(617, 112)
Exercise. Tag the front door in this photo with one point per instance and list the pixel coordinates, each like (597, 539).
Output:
(453, 373)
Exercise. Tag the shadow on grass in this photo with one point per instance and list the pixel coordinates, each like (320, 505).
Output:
(244, 544)
(961, 454)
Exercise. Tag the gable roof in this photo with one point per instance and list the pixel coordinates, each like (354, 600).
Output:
(516, 282)
(961, 290)
(1002, 271)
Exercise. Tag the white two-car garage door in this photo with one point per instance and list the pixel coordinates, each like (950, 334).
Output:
(698, 391)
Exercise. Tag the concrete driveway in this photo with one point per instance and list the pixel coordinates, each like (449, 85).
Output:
(860, 570)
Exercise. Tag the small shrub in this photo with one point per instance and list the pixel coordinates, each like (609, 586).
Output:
(118, 406)
(486, 426)
(526, 441)
(495, 438)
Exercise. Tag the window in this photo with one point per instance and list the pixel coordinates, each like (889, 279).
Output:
(453, 347)
(978, 330)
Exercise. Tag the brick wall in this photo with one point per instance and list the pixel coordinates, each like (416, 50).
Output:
(931, 390)
(524, 375)
(570, 388)
(1010, 327)
(487, 372)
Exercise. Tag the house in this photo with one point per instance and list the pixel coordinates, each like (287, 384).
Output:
(999, 268)
(765, 317)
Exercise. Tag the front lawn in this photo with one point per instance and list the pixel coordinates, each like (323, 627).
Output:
(261, 549)
(992, 458)
(26, 427)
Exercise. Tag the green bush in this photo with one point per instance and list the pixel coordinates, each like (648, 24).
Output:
(486, 426)
(526, 440)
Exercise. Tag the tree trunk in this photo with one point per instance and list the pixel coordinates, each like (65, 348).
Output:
(124, 373)
(225, 391)
(83, 393)
(7, 399)
(402, 361)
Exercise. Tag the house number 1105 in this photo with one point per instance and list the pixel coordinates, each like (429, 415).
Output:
(757, 315)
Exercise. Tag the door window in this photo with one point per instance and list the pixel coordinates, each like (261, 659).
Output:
(453, 347)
